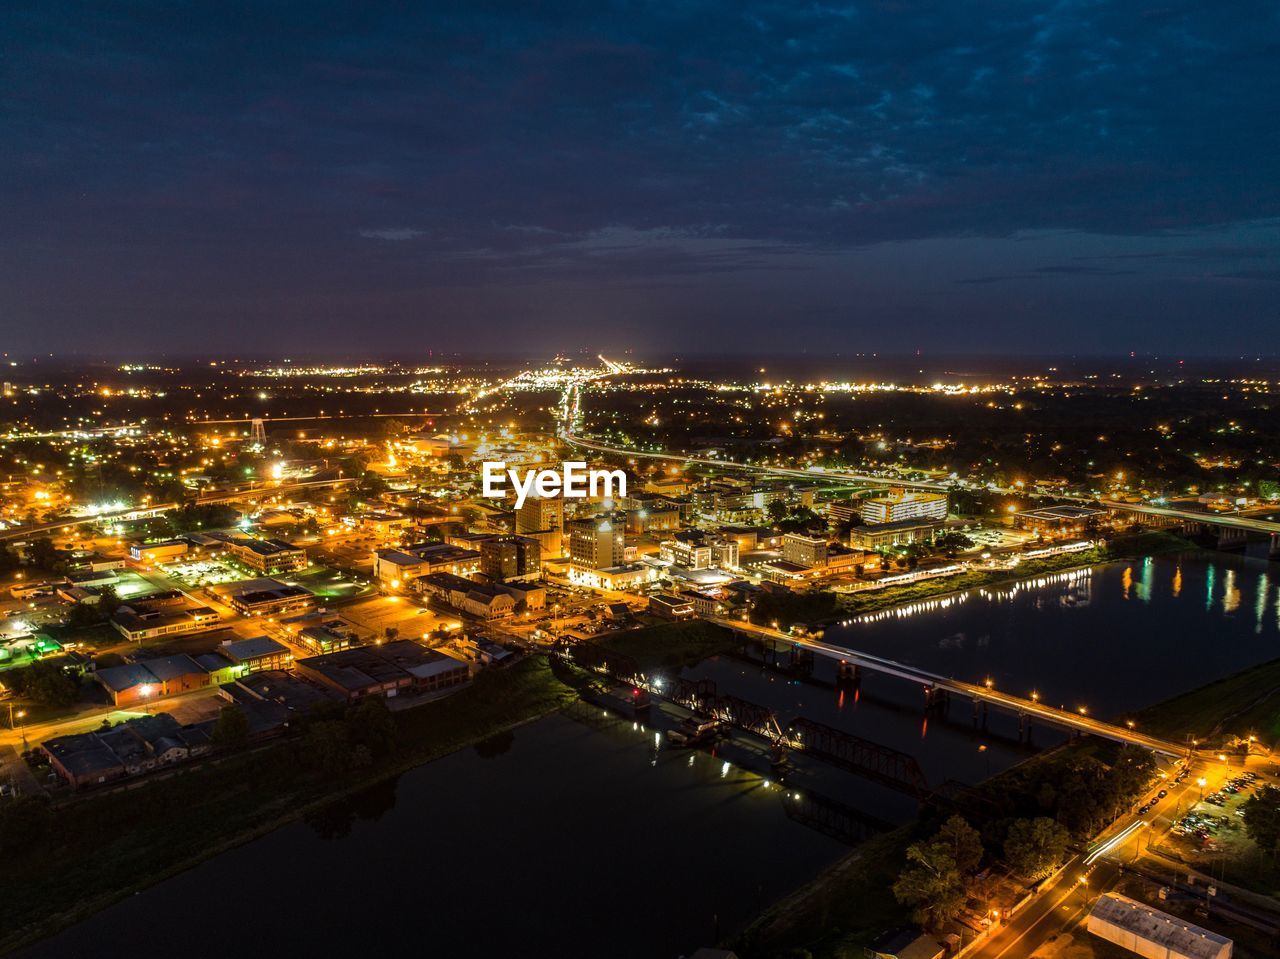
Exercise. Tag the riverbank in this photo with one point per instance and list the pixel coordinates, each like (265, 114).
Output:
(820, 608)
(111, 846)
(1246, 703)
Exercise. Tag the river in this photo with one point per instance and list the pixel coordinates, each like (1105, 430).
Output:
(582, 834)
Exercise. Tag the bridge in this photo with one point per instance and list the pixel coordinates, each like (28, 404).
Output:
(978, 693)
(1246, 523)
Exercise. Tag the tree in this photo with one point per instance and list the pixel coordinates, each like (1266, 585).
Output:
(1262, 819)
(931, 884)
(963, 842)
(953, 542)
(372, 726)
(231, 731)
(1034, 847)
(84, 616)
(46, 683)
(327, 746)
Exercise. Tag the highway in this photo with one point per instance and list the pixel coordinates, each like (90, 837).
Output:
(979, 693)
(1215, 519)
(138, 512)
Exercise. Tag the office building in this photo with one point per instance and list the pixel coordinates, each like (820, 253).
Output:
(900, 504)
(596, 543)
(506, 558)
(804, 550)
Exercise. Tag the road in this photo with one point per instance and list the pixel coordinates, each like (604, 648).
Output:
(139, 512)
(1065, 900)
(987, 694)
(1215, 519)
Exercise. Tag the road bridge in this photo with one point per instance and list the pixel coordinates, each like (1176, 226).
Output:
(1031, 709)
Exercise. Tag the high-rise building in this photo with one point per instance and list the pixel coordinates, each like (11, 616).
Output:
(540, 513)
(505, 558)
(596, 542)
(901, 504)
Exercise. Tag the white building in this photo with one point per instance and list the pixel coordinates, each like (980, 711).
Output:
(900, 504)
(1151, 933)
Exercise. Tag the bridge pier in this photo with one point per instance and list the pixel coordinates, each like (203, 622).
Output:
(848, 674)
(640, 701)
(802, 660)
(936, 699)
(1024, 728)
(979, 713)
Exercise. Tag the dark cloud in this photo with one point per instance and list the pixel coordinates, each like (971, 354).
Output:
(251, 169)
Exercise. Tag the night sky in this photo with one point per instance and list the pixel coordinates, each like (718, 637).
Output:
(364, 178)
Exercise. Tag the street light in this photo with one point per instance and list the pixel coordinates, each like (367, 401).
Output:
(1201, 783)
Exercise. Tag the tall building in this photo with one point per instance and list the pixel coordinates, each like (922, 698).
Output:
(505, 558)
(595, 543)
(804, 550)
(901, 504)
(539, 513)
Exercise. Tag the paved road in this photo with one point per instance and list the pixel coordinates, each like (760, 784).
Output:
(1016, 704)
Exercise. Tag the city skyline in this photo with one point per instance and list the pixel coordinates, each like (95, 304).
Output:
(1074, 178)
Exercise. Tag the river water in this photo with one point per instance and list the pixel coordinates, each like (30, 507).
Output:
(583, 834)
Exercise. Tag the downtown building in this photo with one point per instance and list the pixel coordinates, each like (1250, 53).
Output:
(596, 543)
(900, 505)
(507, 558)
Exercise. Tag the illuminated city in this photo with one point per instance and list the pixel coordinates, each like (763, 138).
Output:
(669, 482)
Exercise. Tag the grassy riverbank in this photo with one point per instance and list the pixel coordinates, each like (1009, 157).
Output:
(671, 646)
(103, 848)
(838, 913)
(1242, 704)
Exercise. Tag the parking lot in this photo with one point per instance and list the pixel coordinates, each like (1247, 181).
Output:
(1213, 826)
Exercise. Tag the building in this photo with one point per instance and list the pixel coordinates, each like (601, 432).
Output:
(804, 550)
(888, 535)
(900, 504)
(529, 597)
(706, 602)
(596, 543)
(151, 679)
(614, 578)
(478, 599)
(264, 597)
(152, 553)
(133, 747)
(841, 559)
(256, 654)
(388, 670)
(905, 943)
(397, 568)
(1149, 932)
(666, 606)
(265, 555)
(1056, 521)
(162, 614)
(326, 638)
(384, 524)
(540, 513)
(687, 552)
(507, 558)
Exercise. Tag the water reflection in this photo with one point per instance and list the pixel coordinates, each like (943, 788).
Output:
(334, 820)
(1082, 636)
